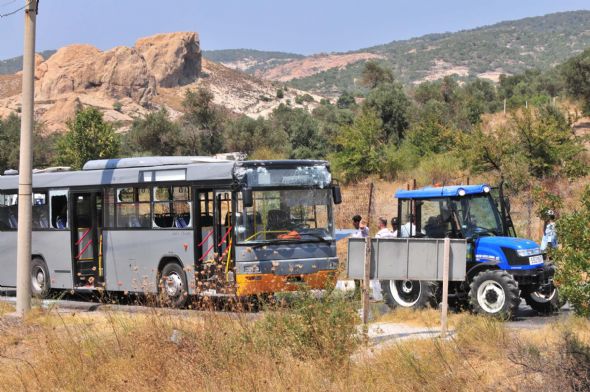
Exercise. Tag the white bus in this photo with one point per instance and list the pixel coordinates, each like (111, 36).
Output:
(176, 226)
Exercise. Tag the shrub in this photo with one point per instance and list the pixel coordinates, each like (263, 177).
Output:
(280, 93)
(573, 257)
(312, 327)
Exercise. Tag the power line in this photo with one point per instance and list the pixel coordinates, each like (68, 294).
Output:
(17, 10)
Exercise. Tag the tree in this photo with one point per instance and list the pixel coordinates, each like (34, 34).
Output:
(576, 73)
(88, 137)
(390, 103)
(535, 144)
(302, 132)
(360, 148)
(374, 75)
(572, 258)
(246, 135)
(202, 123)
(154, 134)
(346, 100)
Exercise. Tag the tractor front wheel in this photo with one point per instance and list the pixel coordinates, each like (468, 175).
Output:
(494, 293)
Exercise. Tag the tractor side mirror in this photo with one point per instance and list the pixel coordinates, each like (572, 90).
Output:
(247, 198)
(336, 194)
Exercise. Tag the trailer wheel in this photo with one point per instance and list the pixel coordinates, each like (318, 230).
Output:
(172, 286)
(544, 302)
(494, 293)
(40, 283)
(409, 293)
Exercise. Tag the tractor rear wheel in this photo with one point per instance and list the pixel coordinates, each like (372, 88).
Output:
(409, 293)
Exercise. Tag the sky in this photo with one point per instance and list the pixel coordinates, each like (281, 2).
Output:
(302, 26)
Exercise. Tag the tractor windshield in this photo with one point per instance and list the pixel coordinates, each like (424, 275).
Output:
(478, 215)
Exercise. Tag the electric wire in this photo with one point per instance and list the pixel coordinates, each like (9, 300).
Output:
(17, 10)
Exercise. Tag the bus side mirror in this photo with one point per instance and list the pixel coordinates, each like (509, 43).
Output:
(336, 194)
(247, 197)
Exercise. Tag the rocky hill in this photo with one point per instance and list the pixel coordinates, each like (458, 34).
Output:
(127, 82)
(507, 47)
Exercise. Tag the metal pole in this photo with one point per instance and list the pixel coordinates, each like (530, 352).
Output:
(445, 293)
(366, 280)
(25, 176)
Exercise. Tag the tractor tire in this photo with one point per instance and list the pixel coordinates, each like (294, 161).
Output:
(494, 293)
(172, 287)
(544, 303)
(416, 294)
(40, 281)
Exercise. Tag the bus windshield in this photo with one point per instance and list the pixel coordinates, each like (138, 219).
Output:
(285, 215)
(478, 215)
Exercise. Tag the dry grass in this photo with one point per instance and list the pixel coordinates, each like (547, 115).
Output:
(308, 347)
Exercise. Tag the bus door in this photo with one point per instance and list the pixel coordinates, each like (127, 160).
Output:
(204, 233)
(223, 236)
(87, 238)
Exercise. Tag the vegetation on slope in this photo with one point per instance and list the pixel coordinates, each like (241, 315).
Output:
(508, 47)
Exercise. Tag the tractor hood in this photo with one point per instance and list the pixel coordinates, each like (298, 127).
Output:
(506, 242)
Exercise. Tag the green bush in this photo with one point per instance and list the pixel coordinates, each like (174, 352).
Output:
(573, 256)
(312, 328)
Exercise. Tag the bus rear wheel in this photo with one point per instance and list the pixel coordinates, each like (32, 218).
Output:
(40, 284)
(409, 293)
(173, 286)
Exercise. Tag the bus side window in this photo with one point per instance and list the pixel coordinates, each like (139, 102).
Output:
(40, 211)
(58, 209)
(8, 211)
(133, 207)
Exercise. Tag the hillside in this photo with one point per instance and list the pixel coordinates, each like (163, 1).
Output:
(15, 64)
(249, 60)
(507, 47)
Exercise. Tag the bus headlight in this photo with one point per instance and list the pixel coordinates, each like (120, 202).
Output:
(252, 269)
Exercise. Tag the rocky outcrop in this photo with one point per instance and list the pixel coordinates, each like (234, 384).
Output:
(120, 72)
(174, 59)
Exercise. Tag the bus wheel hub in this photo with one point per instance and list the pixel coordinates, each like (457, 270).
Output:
(173, 285)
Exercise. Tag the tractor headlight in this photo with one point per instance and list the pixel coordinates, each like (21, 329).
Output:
(461, 192)
(528, 252)
(486, 189)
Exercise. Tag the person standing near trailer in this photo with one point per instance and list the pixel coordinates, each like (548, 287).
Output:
(550, 233)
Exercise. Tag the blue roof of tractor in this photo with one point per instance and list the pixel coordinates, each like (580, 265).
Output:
(445, 191)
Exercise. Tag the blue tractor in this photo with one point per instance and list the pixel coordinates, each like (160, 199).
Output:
(501, 268)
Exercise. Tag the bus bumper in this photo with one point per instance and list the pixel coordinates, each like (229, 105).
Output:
(252, 284)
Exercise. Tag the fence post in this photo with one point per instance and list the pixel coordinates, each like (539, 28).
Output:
(366, 280)
(445, 293)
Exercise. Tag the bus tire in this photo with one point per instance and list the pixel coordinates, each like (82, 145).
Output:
(494, 293)
(172, 286)
(40, 281)
(415, 294)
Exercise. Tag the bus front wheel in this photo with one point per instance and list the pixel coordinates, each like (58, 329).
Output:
(173, 286)
(40, 284)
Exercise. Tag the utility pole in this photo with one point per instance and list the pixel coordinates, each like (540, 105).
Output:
(25, 176)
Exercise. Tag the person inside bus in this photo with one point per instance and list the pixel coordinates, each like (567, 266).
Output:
(61, 222)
